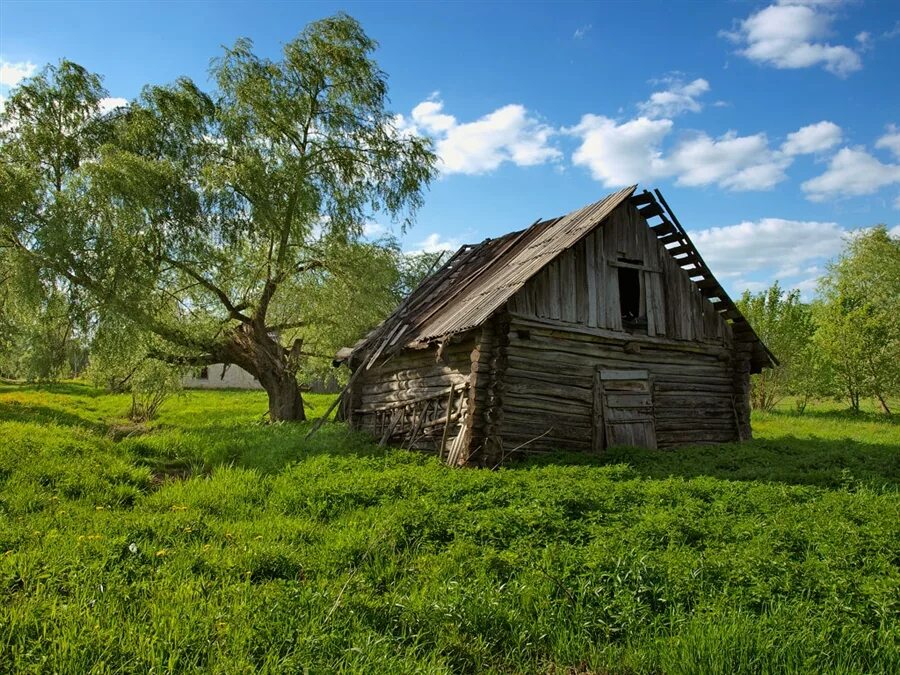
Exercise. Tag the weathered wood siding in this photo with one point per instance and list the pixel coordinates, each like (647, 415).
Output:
(389, 401)
(581, 286)
(547, 385)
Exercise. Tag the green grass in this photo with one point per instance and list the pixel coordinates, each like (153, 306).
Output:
(212, 542)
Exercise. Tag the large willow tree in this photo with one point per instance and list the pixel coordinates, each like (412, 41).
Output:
(211, 219)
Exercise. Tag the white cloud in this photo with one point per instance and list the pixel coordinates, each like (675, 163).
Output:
(111, 103)
(731, 161)
(434, 243)
(891, 140)
(676, 99)
(620, 154)
(894, 232)
(812, 138)
(791, 34)
(11, 73)
(752, 246)
(851, 172)
(373, 230)
(428, 115)
(508, 134)
(582, 31)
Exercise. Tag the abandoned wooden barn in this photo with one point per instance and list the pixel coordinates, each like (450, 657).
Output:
(602, 327)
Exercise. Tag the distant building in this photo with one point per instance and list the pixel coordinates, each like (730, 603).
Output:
(220, 376)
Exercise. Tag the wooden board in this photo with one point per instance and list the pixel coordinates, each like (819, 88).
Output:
(627, 417)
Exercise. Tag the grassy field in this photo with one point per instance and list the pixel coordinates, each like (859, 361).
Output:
(213, 542)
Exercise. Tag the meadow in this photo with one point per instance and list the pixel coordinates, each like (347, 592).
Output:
(210, 541)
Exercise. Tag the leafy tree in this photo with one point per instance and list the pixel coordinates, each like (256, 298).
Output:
(859, 321)
(785, 325)
(209, 219)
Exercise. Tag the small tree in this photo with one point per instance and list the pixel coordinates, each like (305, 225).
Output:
(859, 322)
(785, 325)
(151, 384)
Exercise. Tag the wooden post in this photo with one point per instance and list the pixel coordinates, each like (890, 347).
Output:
(447, 424)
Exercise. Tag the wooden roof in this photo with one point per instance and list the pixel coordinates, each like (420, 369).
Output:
(478, 279)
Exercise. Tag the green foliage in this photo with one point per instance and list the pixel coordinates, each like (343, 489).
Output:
(151, 384)
(200, 216)
(214, 544)
(859, 318)
(785, 325)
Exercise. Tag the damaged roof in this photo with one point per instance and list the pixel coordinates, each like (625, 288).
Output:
(479, 278)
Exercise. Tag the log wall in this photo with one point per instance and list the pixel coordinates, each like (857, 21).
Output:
(405, 401)
(547, 386)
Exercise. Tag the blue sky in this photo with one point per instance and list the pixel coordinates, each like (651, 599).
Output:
(768, 126)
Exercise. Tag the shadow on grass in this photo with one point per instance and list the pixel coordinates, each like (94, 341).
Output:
(16, 411)
(79, 389)
(819, 462)
(267, 448)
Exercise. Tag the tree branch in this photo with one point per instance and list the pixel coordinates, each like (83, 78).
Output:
(234, 311)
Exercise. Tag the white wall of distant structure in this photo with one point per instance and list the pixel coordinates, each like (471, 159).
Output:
(234, 377)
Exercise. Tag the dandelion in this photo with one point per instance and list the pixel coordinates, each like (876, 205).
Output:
(132, 547)
(178, 507)
(161, 552)
(98, 508)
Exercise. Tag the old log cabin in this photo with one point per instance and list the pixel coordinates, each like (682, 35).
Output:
(602, 327)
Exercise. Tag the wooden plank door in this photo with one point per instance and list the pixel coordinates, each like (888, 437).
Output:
(623, 409)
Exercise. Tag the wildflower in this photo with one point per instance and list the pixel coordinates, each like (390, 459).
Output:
(98, 508)
(132, 547)
(178, 507)
(161, 552)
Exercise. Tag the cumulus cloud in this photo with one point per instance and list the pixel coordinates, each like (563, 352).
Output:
(792, 34)
(677, 98)
(11, 73)
(508, 134)
(749, 248)
(622, 153)
(731, 161)
(850, 173)
(891, 140)
(813, 138)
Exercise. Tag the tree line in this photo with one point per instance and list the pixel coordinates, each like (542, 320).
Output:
(843, 345)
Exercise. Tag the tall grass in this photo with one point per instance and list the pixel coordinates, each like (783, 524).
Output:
(209, 541)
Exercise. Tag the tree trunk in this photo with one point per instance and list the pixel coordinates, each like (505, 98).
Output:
(884, 405)
(285, 403)
(261, 355)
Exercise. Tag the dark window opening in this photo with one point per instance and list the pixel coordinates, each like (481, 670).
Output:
(523, 334)
(630, 298)
(204, 374)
